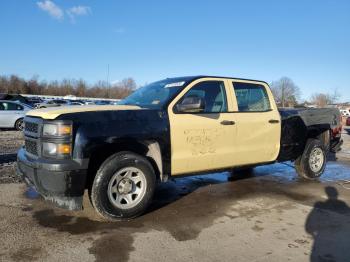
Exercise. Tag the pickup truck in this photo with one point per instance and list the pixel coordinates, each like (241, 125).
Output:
(167, 129)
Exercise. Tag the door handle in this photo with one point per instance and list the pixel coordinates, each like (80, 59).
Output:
(273, 121)
(227, 122)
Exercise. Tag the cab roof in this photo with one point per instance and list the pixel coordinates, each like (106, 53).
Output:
(193, 78)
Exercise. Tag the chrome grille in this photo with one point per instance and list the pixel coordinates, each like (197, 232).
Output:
(31, 147)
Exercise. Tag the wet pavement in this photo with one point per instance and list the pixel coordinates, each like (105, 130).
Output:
(260, 215)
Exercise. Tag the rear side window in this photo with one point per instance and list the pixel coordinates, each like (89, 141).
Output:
(10, 106)
(251, 97)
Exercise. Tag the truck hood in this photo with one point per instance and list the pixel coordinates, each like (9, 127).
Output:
(54, 112)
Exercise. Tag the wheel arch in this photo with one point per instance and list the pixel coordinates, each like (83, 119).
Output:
(320, 132)
(146, 148)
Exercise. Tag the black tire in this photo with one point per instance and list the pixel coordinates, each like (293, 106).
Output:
(99, 189)
(304, 167)
(19, 125)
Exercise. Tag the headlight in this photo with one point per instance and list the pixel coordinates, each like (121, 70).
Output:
(56, 150)
(57, 129)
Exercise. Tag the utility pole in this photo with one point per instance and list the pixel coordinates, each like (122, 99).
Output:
(108, 88)
(283, 98)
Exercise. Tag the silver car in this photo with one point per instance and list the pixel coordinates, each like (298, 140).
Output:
(12, 114)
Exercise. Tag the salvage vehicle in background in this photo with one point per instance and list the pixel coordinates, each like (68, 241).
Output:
(12, 114)
(167, 129)
(16, 98)
(60, 102)
(52, 103)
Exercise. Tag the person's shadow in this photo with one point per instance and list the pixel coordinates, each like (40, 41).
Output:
(329, 224)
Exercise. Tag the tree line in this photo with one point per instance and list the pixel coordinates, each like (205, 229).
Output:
(16, 85)
(287, 94)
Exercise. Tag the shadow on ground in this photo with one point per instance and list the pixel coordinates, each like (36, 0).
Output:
(7, 158)
(329, 224)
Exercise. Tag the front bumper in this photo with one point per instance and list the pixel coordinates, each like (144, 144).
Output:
(59, 181)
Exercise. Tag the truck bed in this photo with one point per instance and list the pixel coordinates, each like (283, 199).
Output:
(298, 124)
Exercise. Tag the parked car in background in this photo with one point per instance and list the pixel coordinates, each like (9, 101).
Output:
(75, 103)
(52, 103)
(60, 102)
(12, 114)
(88, 102)
(115, 102)
(348, 121)
(33, 101)
(102, 102)
(16, 98)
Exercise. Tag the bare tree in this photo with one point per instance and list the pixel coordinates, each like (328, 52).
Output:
(286, 92)
(322, 99)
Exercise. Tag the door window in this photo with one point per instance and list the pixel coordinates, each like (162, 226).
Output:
(251, 97)
(213, 94)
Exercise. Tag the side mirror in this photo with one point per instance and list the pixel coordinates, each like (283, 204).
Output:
(191, 104)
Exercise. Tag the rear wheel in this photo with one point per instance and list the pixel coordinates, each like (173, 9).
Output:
(123, 186)
(19, 125)
(312, 162)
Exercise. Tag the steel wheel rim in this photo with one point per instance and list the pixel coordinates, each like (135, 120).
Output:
(316, 160)
(127, 187)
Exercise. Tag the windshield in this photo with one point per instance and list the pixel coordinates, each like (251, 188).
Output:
(156, 94)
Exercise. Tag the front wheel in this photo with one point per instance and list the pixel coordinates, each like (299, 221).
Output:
(312, 162)
(123, 187)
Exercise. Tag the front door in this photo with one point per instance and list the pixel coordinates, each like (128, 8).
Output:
(201, 141)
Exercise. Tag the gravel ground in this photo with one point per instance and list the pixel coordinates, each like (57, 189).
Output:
(10, 142)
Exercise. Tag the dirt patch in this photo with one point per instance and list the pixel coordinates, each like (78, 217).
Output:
(27, 254)
(10, 142)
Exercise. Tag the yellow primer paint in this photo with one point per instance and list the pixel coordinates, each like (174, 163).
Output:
(200, 143)
(54, 112)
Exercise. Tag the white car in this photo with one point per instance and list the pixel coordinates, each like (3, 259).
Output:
(12, 114)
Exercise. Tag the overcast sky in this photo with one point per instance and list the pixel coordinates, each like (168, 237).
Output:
(308, 41)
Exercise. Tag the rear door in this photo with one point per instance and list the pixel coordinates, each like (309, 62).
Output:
(3, 116)
(9, 113)
(258, 123)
